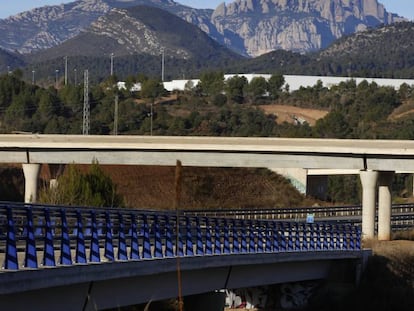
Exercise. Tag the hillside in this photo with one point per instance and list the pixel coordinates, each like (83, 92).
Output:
(365, 53)
(249, 27)
(404, 112)
(139, 30)
(49, 26)
(387, 283)
(293, 114)
(10, 61)
(136, 37)
(361, 54)
(384, 52)
(153, 187)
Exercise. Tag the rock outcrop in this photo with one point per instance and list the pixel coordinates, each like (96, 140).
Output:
(254, 27)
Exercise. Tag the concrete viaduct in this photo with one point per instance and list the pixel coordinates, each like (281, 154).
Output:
(376, 160)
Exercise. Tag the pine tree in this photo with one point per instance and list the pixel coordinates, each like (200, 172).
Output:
(75, 188)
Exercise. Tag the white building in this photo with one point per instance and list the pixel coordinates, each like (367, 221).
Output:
(295, 82)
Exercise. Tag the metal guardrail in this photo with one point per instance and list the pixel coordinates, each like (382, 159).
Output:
(402, 214)
(280, 213)
(35, 236)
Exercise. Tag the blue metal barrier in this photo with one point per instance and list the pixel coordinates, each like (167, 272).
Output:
(77, 235)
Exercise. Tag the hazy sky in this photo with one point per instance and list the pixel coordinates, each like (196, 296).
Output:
(10, 7)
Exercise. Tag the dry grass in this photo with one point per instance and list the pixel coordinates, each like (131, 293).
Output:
(153, 187)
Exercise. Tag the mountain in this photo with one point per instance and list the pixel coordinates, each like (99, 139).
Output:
(255, 27)
(49, 26)
(383, 52)
(139, 30)
(250, 27)
(137, 36)
(361, 54)
(10, 61)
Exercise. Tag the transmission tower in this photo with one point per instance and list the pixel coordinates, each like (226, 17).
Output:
(86, 106)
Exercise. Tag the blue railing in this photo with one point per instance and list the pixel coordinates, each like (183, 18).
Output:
(35, 236)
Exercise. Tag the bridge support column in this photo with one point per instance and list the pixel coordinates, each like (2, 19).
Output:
(384, 205)
(31, 176)
(369, 182)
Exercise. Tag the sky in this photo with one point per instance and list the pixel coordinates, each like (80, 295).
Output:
(11, 7)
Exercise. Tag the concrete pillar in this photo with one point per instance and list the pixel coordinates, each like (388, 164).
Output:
(384, 205)
(369, 182)
(31, 176)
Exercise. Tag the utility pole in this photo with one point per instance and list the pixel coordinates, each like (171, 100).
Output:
(76, 76)
(112, 64)
(151, 117)
(116, 116)
(66, 70)
(56, 78)
(162, 65)
(86, 107)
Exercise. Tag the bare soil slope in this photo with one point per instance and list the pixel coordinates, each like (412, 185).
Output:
(291, 114)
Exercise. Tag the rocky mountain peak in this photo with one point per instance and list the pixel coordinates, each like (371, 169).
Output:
(255, 27)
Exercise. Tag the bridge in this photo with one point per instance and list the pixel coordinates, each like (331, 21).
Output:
(376, 160)
(78, 258)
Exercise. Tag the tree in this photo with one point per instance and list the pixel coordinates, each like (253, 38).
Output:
(152, 89)
(235, 87)
(275, 84)
(72, 97)
(75, 188)
(334, 125)
(129, 82)
(212, 82)
(257, 87)
(189, 85)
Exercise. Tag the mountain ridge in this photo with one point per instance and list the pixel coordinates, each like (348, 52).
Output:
(138, 30)
(249, 27)
(189, 52)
